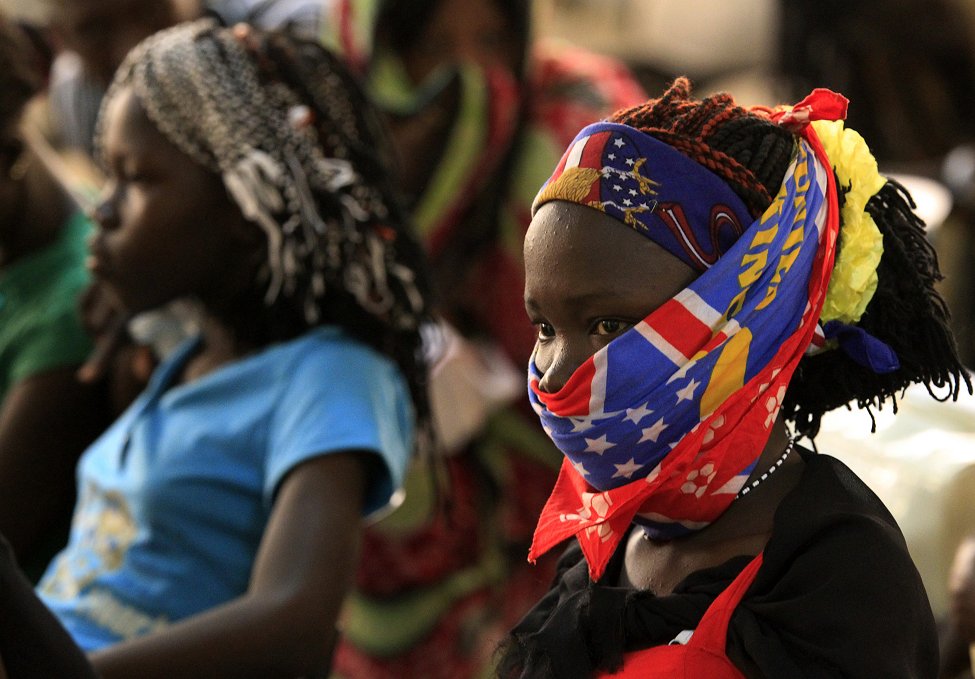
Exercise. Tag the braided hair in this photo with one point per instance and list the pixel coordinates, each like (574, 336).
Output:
(751, 154)
(291, 134)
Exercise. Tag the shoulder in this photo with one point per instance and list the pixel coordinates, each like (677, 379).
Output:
(838, 587)
(328, 352)
(833, 518)
(336, 394)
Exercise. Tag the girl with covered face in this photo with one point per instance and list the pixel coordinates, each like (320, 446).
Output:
(706, 282)
(219, 516)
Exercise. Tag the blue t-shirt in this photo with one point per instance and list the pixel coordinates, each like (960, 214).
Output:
(175, 496)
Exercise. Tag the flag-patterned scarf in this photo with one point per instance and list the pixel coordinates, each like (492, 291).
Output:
(664, 424)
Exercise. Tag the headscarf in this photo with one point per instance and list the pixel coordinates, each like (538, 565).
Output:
(664, 425)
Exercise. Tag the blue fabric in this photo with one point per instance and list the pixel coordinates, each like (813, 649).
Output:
(652, 187)
(175, 496)
(862, 347)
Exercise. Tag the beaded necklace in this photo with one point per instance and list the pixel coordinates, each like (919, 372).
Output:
(778, 463)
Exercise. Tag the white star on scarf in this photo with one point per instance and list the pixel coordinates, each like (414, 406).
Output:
(581, 423)
(687, 393)
(626, 470)
(651, 433)
(580, 468)
(682, 372)
(598, 446)
(619, 143)
(612, 156)
(635, 415)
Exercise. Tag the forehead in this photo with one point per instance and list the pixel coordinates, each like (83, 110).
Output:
(573, 250)
(125, 121)
(129, 132)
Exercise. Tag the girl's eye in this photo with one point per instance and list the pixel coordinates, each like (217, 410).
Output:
(610, 326)
(545, 331)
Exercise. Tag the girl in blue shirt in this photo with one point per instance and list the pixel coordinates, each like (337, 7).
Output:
(218, 519)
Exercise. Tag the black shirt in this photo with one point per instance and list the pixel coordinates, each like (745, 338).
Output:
(837, 596)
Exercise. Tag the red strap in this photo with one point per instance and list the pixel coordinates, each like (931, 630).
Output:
(712, 631)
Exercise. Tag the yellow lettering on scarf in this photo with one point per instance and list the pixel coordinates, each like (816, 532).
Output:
(729, 372)
(782, 267)
(752, 263)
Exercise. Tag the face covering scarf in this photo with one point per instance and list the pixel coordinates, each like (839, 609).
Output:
(663, 426)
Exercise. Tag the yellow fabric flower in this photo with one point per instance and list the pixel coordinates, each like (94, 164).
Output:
(854, 278)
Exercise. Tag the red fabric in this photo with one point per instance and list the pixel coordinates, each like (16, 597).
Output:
(704, 655)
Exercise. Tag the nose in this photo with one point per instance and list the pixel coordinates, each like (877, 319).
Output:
(104, 213)
(564, 362)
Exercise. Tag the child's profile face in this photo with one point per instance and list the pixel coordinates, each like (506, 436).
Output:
(589, 278)
(167, 228)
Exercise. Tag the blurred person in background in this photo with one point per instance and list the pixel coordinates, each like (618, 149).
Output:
(47, 417)
(93, 36)
(245, 172)
(90, 38)
(478, 110)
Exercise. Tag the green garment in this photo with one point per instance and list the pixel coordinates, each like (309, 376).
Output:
(40, 325)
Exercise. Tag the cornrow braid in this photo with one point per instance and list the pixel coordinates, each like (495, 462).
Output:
(296, 144)
(749, 152)
(752, 154)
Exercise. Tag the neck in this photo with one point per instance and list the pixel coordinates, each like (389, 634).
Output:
(39, 207)
(221, 345)
(744, 529)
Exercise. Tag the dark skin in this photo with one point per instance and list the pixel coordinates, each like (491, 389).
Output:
(47, 419)
(588, 279)
(149, 250)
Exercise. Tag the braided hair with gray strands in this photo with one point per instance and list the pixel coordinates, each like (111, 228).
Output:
(297, 146)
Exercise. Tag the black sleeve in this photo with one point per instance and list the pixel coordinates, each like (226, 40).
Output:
(33, 644)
